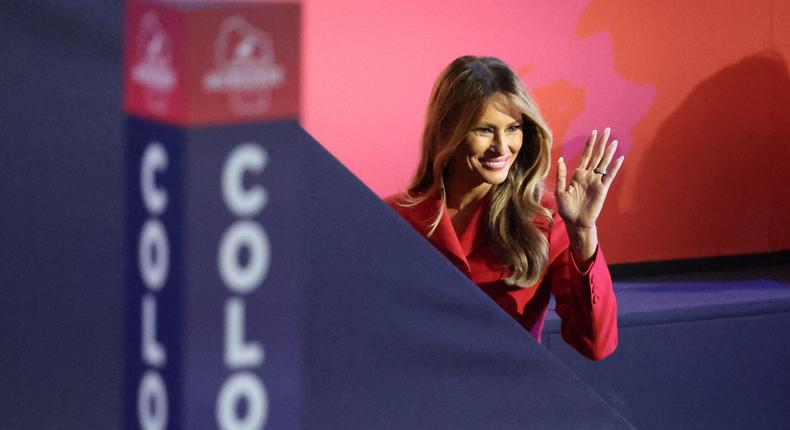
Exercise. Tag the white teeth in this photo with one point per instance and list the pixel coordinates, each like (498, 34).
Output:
(494, 164)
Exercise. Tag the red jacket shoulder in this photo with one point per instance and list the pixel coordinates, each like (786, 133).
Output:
(395, 199)
(398, 203)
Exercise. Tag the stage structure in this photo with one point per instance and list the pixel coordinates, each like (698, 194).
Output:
(266, 287)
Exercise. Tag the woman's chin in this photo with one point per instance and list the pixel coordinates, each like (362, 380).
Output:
(494, 178)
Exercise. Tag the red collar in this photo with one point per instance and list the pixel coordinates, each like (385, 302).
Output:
(456, 247)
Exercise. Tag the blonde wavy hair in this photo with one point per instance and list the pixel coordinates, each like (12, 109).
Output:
(457, 102)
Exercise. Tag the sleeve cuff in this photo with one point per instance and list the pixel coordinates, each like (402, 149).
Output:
(588, 264)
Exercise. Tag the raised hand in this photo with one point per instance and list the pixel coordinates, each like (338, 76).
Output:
(580, 201)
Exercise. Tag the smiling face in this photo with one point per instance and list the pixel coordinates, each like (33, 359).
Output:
(489, 149)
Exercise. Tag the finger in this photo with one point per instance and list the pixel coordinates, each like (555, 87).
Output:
(588, 147)
(562, 172)
(607, 157)
(599, 148)
(609, 177)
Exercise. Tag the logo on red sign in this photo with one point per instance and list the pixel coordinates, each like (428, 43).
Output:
(245, 67)
(153, 68)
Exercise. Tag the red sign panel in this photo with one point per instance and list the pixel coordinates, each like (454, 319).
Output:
(213, 62)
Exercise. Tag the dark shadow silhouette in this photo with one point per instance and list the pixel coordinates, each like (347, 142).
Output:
(717, 173)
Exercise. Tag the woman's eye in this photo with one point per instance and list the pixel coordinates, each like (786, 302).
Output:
(514, 128)
(484, 131)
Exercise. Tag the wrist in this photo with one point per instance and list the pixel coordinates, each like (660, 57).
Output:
(580, 234)
(584, 242)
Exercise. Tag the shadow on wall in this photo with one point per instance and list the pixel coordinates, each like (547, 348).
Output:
(735, 127)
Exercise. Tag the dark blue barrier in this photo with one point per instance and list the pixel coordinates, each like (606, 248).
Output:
(358, 322)
(695, 354)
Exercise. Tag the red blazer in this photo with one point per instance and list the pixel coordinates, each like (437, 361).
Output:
(585, 301)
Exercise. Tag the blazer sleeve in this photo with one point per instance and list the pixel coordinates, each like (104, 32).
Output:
(585, 301)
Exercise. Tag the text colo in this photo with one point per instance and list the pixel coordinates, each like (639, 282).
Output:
(242, 357)
(153, 257)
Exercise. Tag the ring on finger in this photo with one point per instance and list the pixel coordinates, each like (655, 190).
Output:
(599, 171)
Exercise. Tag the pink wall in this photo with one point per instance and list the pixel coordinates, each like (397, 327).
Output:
(697, 93)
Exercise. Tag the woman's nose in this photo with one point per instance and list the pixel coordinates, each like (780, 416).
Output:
(498, 144)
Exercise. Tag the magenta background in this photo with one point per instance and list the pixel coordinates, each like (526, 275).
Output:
(642, 70)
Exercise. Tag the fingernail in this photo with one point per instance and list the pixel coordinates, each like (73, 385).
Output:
(614, 142)
(607, 130)
(595, 132)
(560, 160)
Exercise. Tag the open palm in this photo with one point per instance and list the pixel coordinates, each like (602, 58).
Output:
(580, 202)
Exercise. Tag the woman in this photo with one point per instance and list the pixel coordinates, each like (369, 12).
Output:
(478, 197)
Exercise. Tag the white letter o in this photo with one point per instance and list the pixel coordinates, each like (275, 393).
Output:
(153, 270)
(249, 234)
(237, 387)
(152, 402)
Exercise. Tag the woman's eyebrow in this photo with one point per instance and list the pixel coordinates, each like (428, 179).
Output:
(492, 125)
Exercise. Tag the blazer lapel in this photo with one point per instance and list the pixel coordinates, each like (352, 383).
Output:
(455, 248)
(475, 234)
(445, 239)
